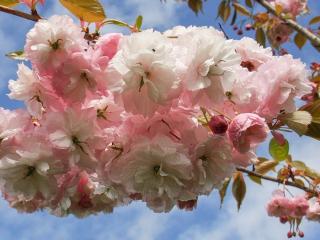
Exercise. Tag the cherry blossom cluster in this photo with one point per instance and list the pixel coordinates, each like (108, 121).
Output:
(279, 32)
(158, 117)
(293, 210)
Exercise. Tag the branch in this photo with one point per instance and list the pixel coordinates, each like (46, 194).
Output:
(27, 16)
(314, 39)
(292, 184)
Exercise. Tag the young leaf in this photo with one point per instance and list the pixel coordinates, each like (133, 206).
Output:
(314, 20)
(239, 188)
(226, 13)
(223, 190)
(277, 151)
(300, 40)
(249, 3)
(261, 37)
(116, 22)
(266, 166)
(138, 23)
(9, 3)
(241, 9)
(195, 5)
(314, 110)
(298, 121)
(86, 10)
(18, 55)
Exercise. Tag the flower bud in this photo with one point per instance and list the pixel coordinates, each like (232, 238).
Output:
(290, 235)
(218, 124)
(284, 220)
(301, 234)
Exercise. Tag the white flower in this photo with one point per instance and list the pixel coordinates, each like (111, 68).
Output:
(50, 40)
(214, 160)
(29, 171)
(212, 66)
(156, 168)
(26, 87)
(148, 74)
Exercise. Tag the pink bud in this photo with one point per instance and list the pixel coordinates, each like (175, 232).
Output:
(240, 32)
(279, 138)
(187, 205)
(248, 27)
(290, 235)
(283, 220)
(301, 234)
(218, 124)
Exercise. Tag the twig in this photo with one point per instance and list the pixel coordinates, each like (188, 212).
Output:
(314, 39)
(292, 184)
(24, 15)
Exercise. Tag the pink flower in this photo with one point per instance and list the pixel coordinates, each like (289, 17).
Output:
(108, 44)
(300, 207)
(279, 205)
(51, 41)
(214, 162)
(313, 213)
(246, 131)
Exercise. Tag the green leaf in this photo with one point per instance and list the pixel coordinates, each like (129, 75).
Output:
(277, 151)
(314, 20)
(300, 40)
(299, 165)
(261, 37)
(266, 166)
(116, 22)
(86, 10)
(241, 9)
(239, 188)
(249, 3)
(195, 5)
(314, 110)
(298, 121)
(223, 190)
(18, 55)
(9, 3)
(138, 23)
(226, 13)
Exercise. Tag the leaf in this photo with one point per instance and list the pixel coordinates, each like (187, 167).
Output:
(249, 3)
(86, 10)
(116, 22)
(18, 55)
(314, 110)
(314, 20)
(278, 9)
(195, 5)
(298, 121)
(299, 182)
(239, 188)
(138, 23)
(299, 165)
(261, 37)
(277, 151)
(241, 9)
(9, 3)
(300, 40)
(226, 13)
(223, 190)
(266, 166)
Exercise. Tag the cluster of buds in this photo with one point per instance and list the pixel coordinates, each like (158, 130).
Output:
(247, 27)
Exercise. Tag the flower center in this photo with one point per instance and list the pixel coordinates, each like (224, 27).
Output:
(156, 169)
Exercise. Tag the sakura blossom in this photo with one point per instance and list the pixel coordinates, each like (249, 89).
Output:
(162, 118)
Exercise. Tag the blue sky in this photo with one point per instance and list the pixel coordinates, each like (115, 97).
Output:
(208, 221)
